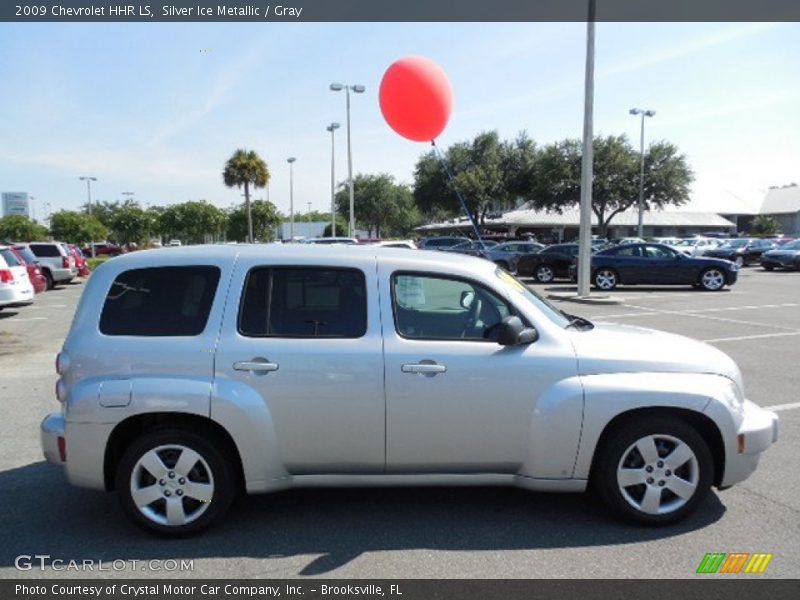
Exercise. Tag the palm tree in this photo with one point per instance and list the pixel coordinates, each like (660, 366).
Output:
(246, 168)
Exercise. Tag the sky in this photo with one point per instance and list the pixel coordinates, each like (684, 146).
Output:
(157, 109)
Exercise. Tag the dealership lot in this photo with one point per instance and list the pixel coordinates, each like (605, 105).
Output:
(444, 532)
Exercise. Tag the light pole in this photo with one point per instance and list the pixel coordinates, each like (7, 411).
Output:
(88, 179)
(357, 89)
(291, 160)
(332, 128)
(128, 195)
(644, 113)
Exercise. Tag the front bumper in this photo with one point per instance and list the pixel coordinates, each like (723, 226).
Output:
(52, 428)
(757, 432)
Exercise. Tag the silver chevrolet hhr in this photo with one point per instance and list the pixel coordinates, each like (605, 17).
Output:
(191, 374)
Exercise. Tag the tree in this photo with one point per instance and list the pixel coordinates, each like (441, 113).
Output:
(19, 228)
(555, 183)
(76, 228)
(131, 224)
(382, 206)
(265, 217)
(193, 221)
(246, 168)
(765, 225)
(105, 211)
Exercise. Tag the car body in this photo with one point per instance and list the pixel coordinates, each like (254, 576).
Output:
(16, 288)
(669, 241)
(472, 247)
(658, 264)
(440, 242)
(102, 249)
(548, 264)
(80, 261)
(175, 243)
(378, 366)
(742, 251)
(786, 256)
(56, 262)
(507, 254)
(31, 263)
(696, 246)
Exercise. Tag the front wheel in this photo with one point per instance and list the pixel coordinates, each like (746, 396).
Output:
(712, 280)
(606, 279)
(655, 470)
(174, 483)
(544, 274)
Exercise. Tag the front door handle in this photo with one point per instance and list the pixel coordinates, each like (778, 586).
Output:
(424, 368)
(255, 365)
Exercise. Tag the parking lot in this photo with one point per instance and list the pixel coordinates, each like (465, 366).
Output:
(426, 533)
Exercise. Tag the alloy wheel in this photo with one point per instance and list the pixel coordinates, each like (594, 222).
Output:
(605, 279)
(713, 280)
(545, 274)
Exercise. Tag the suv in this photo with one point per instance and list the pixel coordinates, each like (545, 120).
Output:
(56, 261)
(191, 374)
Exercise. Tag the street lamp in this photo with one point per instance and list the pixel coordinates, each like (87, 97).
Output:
(644, 113)
(291, 160)
(128, 195)
(357, 89)
(89, 181)
(332, 128)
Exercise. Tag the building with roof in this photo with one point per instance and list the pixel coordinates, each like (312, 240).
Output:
(783, 203)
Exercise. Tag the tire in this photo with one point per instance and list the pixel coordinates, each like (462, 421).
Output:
(767, 267)
(712, 279)
(197, 492)
(654, 495)
(48, 279)
(605, 279)
(544, 274)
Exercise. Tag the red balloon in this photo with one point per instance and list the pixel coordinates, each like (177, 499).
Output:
(416, 98)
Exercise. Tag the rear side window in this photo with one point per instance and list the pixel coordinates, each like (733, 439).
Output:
(162, 301)
(10, 257)
(304, 302)
(45, 250)
(26, 253)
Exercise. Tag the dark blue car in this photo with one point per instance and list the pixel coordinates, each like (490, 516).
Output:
(656, 264)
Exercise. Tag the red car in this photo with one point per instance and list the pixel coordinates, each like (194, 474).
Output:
(102, 249)
(80, 261)
(28, 258)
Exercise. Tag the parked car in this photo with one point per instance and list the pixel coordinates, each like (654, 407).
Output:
(410, 244)
(102, 249)
(55, 261)
(786, 256)
(626, 240)
(15, 287)
(742, 251)
(657, 264)
(440, 243)
(174, 243)
(314, 375)
(696, 246)
(507, 254)
(80, 261)
(28, 258)
(669, 241)
(471, 247)
(548, 264)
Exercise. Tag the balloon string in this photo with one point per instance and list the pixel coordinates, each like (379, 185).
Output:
(449, 172)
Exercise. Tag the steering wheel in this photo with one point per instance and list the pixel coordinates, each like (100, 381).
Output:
(472, 316)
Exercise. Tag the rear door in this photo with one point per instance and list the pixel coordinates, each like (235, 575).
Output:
(307, 339)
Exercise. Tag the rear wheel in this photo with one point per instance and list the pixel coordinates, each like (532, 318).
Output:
(655, 470)
(768, 267)
(606, 279)
(173, 482)
(48, 279)
(544, 274)
(712, 279)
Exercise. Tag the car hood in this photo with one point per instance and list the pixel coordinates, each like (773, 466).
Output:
(614, 348)
(781, 253)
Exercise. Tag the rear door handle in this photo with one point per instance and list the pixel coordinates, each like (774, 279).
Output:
(258, 366)
(424, 368)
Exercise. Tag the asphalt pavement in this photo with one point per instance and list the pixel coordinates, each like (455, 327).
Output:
(424, 533)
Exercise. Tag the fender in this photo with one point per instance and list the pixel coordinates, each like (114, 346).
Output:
(245, 415)
(609, 395)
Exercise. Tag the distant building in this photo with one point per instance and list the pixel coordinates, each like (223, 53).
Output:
(783, 203)
(16, 203)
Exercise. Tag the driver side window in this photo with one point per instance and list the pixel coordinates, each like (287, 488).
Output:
(442, 308)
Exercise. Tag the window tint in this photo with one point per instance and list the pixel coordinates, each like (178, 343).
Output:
(658, 252)
(45, 250)
(10, 257)
(439, 308)
(163, 301)
(626, 251)
(26, 253)
(304, 302)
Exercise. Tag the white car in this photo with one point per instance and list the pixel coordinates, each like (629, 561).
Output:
(697, 246)
(16, 288)
(175, 243)
(192, 374)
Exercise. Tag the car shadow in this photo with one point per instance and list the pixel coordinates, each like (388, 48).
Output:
(7, 313)
(42, 513)
(625, 289)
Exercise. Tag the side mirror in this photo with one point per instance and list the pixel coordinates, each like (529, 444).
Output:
(512, 332)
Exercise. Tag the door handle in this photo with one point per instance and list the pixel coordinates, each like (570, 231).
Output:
(424, 368)
(258, 366)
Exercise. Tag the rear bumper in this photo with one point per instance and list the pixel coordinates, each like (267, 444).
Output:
(52, 428)
(63, 274)
(758, 431)
(16, 295)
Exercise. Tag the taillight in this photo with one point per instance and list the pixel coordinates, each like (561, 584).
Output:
(62, 448)
(65, 262)
(6, 276)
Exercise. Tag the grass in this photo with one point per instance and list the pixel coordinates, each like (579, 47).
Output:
(97, 260)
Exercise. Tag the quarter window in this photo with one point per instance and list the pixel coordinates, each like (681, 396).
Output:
(440, 308)
(304, 302)
(161, 301)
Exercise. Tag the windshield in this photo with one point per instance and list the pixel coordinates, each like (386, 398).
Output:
(517, 289)
(686, 243)
(735, 244)
(795, 245)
